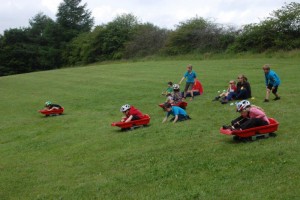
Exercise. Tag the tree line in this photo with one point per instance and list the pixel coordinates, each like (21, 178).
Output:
(72, 39)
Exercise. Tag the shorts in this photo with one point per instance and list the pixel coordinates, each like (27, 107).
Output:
(134, 117)
(188, 86)
(270, 86)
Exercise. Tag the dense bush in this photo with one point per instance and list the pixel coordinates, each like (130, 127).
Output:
(70, 39)
(280, 31)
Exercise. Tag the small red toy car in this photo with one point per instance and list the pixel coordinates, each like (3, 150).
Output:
(47, 112)
(182, 104)
(253, 133)
(133, 124)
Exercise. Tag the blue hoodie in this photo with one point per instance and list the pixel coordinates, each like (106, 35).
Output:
(272, 78)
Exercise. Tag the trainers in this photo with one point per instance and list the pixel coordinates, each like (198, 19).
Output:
(226, 127)
(266, 100)
(216, 98)
(276, 98)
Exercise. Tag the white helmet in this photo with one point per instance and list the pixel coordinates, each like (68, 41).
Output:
(242, 105)
(175, 86)
(124, 108)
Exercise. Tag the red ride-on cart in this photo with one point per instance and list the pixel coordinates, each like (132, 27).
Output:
(53, 112)
(182, 105)
(133, 124)
(253, 133)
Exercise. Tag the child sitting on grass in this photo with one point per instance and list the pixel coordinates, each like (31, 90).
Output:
(131, 113)
(227, 95)
(178, 113)
(251, 116)
(169, 89)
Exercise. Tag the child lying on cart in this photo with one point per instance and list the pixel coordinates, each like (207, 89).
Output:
(251, 116)
(50, 106)
(178, 113)
(131, 113)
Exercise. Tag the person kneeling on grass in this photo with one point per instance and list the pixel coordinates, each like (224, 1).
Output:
(178, 113)
(131, 113)
(50, 106)
(251, 116)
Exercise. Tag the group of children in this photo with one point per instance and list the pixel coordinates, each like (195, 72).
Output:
(250, 115)
(239, 91)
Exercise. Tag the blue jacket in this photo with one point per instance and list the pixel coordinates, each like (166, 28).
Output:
(272, 79)
(176, 111)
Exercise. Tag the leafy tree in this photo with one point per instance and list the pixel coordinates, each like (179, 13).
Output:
(198, 34)
(74, 19)
(16, 55)
(279, 31)
(147, 40)
(112, 37)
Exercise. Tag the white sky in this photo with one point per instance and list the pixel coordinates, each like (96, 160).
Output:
(163, 13)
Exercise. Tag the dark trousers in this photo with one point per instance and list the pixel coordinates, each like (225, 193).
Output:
(181, 118)
(245, 123)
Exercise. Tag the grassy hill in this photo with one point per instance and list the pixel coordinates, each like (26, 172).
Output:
(80, 156)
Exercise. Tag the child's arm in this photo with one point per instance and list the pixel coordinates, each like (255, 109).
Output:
(181, 80)
(165, 119)
(129, 118)
(175, 119)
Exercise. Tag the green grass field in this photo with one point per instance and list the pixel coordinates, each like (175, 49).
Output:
(80, 156)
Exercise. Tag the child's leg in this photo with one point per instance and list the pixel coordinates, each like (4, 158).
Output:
(253, 122)
(239, 119)
(274, 91)
(268, 91)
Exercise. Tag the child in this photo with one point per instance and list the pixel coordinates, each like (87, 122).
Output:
(178, 113)
(272, 82)
(190, 76)
(50, 106)
(243, 89)
(176, 95)
(229, 94)
(131, 113)
(169, 89)
(251, 116)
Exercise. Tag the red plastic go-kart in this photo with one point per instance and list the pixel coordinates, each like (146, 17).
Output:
(253, 133)
(52, 112)
(181, 104)
(133, 124)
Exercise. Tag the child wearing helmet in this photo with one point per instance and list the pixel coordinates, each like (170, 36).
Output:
(131, 113)
(178, 113)
(175, 95)
(251, 116)
(190, 76)
(50, 106)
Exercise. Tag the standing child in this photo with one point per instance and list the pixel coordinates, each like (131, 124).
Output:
(131, 113)
(272, 82)
(190, 76)
(178, 113)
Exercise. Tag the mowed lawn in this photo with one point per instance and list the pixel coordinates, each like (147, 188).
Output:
(79, 155)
